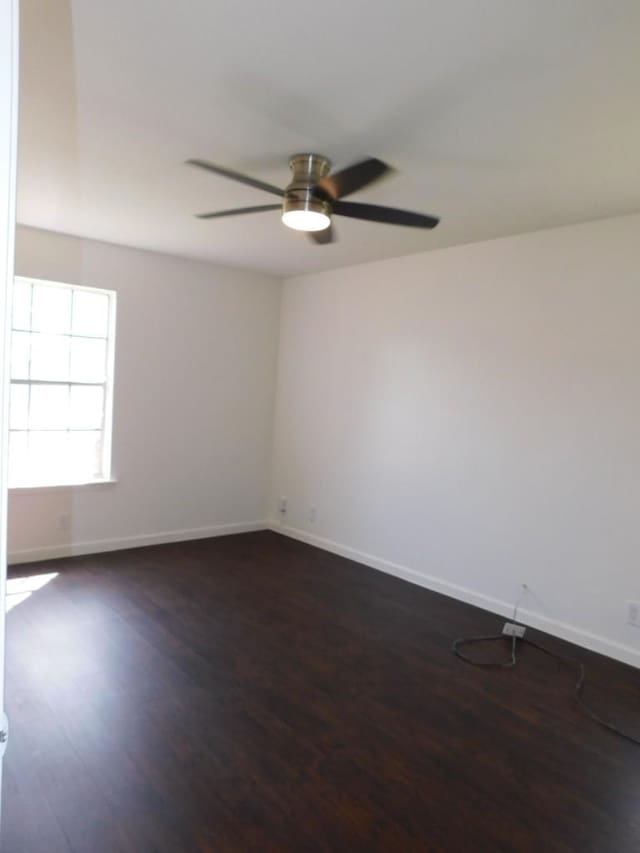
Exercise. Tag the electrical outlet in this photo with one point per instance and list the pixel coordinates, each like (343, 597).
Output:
(64, 522)
(633, 613)
(512, 630)
(282, 506)
(312, 514)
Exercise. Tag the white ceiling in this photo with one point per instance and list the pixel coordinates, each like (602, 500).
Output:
(502, 116)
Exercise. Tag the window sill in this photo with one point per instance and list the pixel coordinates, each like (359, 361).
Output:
(57, 488)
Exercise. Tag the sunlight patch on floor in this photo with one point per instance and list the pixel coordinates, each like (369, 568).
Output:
(19, 589)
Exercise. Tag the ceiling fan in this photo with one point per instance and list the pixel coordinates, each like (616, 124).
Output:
(313, 195)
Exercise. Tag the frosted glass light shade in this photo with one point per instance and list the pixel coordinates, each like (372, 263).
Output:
(306, 220)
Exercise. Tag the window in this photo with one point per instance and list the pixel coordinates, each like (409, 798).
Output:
(61, 377)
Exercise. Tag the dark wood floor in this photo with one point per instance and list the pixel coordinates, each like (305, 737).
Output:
(250, 693)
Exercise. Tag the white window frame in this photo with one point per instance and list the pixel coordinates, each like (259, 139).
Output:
(107, 385)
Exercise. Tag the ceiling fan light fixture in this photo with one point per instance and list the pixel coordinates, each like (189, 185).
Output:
(306, 220)
(303, 209)
(314, 196)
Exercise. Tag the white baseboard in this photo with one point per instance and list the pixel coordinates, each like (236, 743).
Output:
(578, 636)
(98, 546)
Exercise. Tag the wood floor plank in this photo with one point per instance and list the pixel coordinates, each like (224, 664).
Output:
(250, 693)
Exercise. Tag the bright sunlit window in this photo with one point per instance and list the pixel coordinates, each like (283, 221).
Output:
(61, 384)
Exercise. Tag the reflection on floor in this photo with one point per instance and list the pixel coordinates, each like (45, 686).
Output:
(21, 588)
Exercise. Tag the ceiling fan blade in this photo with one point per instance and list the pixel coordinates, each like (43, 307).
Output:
(354, 177)
(388, 215)
(327, 235)
(238, 211)
(236, 176)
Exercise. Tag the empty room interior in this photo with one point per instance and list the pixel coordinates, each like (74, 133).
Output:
(322, 541)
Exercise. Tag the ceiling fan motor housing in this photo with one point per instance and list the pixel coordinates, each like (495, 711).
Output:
(307, 171)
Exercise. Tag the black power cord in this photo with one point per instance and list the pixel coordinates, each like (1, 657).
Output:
(509, 664)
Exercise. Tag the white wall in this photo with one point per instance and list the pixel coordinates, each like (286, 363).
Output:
(470, 418)
(193, 401)
(467, 418)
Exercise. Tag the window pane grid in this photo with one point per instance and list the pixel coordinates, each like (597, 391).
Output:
(62, 334)
(60, 357)
(53, 429)
(95, 384)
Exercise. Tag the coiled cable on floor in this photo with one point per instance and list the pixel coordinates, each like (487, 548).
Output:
(513, 660)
